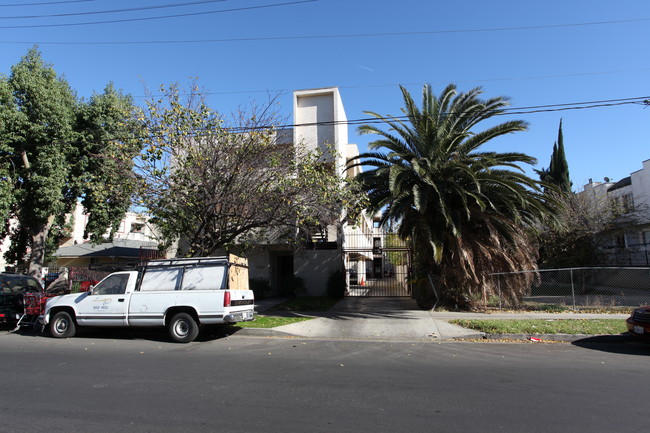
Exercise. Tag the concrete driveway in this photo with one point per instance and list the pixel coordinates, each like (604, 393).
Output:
(370, 318)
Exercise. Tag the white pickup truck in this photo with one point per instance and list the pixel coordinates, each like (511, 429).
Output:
(181, 294)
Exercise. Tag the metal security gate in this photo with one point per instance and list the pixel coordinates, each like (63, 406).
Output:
(376, 264)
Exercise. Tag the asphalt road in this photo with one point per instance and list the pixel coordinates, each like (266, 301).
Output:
(139, 382)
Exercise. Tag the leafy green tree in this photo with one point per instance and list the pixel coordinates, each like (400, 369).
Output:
(41, 112)
(219, 183)
(110, 137)
(466, 212)
(53, 150)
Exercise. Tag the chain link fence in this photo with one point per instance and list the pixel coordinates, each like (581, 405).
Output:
(582, 288)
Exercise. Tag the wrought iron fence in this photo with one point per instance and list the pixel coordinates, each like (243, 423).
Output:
(376, 264)
(579, 288)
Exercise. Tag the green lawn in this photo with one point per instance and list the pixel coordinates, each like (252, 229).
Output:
(540, 326)
(271, 321)
(307, 303)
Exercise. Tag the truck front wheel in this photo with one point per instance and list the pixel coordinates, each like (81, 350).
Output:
(183, 328)
(62, 325)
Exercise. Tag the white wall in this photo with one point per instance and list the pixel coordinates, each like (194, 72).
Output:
(641, 189)
(311, 109)
(258, 266)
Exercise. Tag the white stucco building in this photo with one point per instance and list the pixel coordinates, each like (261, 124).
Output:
(319, 122)
(630, 199)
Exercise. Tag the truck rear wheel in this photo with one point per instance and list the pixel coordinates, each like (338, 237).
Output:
(62, 325)
(183, 328)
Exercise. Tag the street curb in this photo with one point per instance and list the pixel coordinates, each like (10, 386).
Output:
(476, 336)
(259, 332)
(559, 338)
(542, 337)
(568, 338)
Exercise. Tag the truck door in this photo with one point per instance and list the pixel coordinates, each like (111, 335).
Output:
(106, 304)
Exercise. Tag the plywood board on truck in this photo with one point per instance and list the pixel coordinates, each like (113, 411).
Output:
(238, 273)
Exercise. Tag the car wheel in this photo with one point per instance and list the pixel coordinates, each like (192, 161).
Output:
(183, 328)
(62, 325)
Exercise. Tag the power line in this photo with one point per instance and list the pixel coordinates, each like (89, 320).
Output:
(143, 8)
(160, 17)
(365, 86)
(302, 37)
(46, 3)
(641, 100)
(611, 104)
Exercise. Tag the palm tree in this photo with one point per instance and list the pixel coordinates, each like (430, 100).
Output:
(467, 213)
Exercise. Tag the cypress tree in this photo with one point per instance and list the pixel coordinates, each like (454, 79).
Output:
(558, 170)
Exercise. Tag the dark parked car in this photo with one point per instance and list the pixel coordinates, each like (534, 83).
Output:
(11, 296)
(639, 322)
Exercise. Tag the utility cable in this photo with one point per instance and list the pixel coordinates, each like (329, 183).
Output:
(45, 3)
(302, 37)
(484, 80)
(641, 100)
(142, 8)
(125, 20)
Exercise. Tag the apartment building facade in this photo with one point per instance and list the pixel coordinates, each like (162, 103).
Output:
(628, 244)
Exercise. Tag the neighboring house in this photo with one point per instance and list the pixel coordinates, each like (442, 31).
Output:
(119, 252)
(134, 226)
(134, 239)
(628, 198)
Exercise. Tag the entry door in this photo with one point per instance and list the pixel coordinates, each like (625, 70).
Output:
(107, 303)
(285, 275)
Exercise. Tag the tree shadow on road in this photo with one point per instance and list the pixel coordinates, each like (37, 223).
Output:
(622, 344)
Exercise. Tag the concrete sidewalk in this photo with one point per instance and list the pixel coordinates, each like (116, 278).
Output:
(393, 319)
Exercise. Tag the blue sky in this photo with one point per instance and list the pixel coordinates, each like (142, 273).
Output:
(558, 55)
